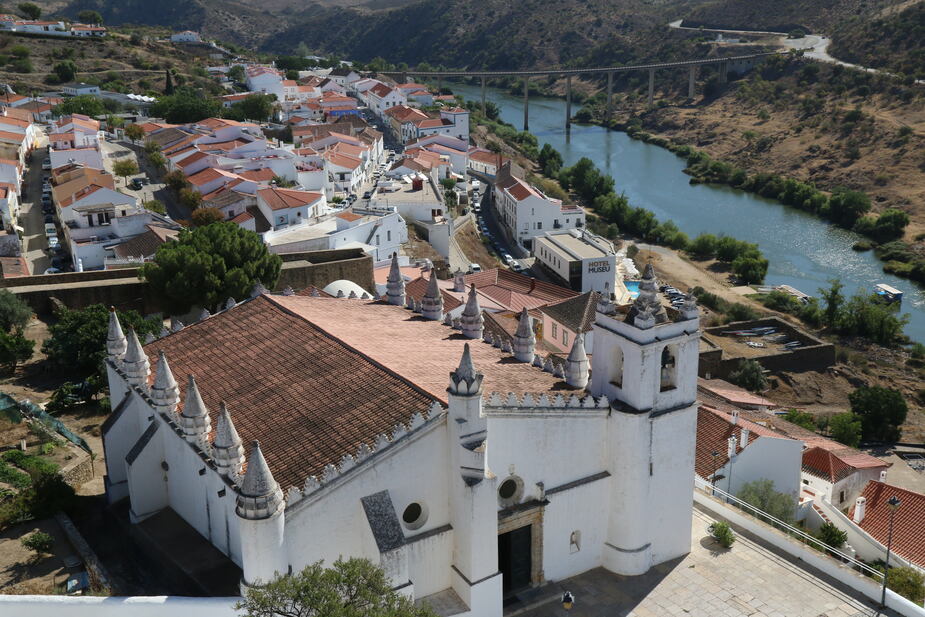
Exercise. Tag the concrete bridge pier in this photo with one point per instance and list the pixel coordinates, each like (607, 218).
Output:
(526, 104)
(483, 95)
(723, 72)
(651, 86)
(440, 85)
(404, 78)
(691, 80)
(568, 104)
(609, 95)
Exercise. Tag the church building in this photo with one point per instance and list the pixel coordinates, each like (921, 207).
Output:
(288, 429)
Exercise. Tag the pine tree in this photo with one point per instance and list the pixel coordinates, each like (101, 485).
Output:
(168, 87)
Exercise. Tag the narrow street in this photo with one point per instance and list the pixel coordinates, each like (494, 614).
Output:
(117, 151)
(31, 219)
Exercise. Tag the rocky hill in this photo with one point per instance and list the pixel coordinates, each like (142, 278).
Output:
(894, 41)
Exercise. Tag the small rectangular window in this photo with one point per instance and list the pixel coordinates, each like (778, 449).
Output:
(554, 328)
(565, 337)
(841, 497)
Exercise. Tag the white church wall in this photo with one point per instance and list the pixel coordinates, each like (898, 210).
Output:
(668, 513)
(325, 527)
(147, 480)
(423, 554)
(117, 441)
(767, 458)
(136, 606)
(185, 487)
(577, 510)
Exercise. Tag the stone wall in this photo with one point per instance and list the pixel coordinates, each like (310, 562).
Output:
(79, 471)
(122, 288)
(814, 355)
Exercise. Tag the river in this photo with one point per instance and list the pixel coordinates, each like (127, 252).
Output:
(803, 251)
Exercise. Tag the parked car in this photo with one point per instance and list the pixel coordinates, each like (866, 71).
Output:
(53, 243)
(50, 230)
(52, 271)
(507, 258)
(46, 187)
(367, 194)
(475, 268)
(50, 218)
(136, 184)
(48, 209)
(46, 164)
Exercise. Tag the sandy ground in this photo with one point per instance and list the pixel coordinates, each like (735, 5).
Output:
(24, 572)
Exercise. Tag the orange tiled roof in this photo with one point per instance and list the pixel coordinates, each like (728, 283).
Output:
(826, 465)
(714, 428)
(282, 199)
(908, 520)
(418, 287)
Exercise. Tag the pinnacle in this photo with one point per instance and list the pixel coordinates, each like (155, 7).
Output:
(258, 480)
(193, 407)
(164, 379)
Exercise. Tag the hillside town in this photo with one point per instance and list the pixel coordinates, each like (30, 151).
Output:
(338, 321)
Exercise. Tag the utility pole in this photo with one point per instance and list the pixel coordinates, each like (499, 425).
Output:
(526, 103)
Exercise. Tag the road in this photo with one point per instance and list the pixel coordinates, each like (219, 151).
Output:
(31, 219)
(813, 46)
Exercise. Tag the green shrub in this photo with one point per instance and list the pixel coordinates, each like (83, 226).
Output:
(30, 464)
(832, 535)
(801, 418)
(749, 375)
(722, 533)
(38, 542)
(14, 477)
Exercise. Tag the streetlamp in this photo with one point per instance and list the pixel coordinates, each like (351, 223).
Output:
(733, 442)
(714, 454)
(568, 600)
(893, 504)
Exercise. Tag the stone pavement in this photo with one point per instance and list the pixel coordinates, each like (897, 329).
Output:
(748, 580)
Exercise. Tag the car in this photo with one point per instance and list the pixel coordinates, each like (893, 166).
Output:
(48, 209)
(367, 194)
(144, 180)
(475, 268)
(135, 184)
(50, 230)
(507, 258)
(46, 164)
(53, 243)
(46, 188)
(517, 267)
(52, 271)
(50, 218)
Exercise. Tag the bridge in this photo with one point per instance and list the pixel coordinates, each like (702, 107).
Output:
(725, 65)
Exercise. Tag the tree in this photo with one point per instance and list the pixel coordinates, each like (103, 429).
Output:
(85, 104)
(703, 246)
(845, 207)
(30, 10)
(190, 198)
(236, 73)
(350, 588)
(168, 82)
(14, 348)
(831, 535)
(125, 168)
(750, 269)
(749, 375)
(90, 17)
(66, 70)
(158, 160)
(78, 340)
(846, 428)
(761, 494)
(907, 582)
(38, 542)
(155, 206)
(801, 418)
(134, 132)
(207, 265)
(253, 107)
(206, 216)
(834, 299)
(14, 312)
(176, 180)
(881, 410)
(184, 106)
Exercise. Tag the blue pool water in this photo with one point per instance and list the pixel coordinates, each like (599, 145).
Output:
(632, 287)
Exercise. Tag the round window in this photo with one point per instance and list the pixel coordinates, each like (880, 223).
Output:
(507, 489)
(415, 515)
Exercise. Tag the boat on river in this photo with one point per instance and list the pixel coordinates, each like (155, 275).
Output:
(888, 293)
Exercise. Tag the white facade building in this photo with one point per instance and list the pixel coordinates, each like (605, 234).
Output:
(527, 213)
(581, 260)
(403, 455)
(379, 234)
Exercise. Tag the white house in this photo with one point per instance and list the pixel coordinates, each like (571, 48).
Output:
(187, 36)
(78, 89)
(379, 234)
(527, 213)
(387, 442)
(580, 259)
(381, 97)
(264, 79)
(837, 473)
(90, 156)
(285, 207)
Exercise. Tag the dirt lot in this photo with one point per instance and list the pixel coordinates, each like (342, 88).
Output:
(471, 244)
(24, 572)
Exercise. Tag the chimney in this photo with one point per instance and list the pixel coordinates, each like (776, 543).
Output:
(859, 508)
(883, 476)
(735, 417)
(731, 450)
(744, 436)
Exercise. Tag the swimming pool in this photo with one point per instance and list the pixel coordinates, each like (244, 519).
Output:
(632, 287)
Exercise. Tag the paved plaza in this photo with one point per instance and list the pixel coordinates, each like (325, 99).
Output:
(748, 580)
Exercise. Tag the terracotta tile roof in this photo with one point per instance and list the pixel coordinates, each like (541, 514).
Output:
(248, 356)
(849, 456)
(192, 158)
(243, 217)
(281, 199)
(12, 267)
(311, 288)
(908, 520)
(577, 314)
(343, 160)
(418, 287)
(515, 291)
(146, 244)
(825, 465)
(485, 156)
(348, 216)
(210, 174)
(80, 195)
(264, 174)
(732, 393)
(714, 428)
(381, 90)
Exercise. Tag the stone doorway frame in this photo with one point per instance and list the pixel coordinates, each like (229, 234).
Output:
(521, 516)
